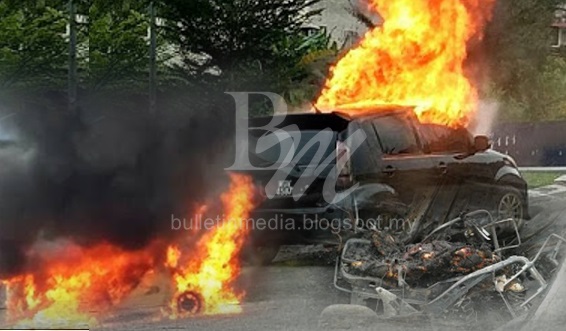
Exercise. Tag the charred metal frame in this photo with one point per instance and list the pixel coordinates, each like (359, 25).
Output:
(402, 301)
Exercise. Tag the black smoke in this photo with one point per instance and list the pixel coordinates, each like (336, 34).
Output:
(109, 170)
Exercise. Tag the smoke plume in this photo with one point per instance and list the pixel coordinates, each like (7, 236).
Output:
(108, 172)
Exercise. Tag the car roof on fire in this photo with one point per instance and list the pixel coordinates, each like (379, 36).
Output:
(373, 111)
(337, 119)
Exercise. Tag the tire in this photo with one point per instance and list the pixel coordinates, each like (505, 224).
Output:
(509, 204)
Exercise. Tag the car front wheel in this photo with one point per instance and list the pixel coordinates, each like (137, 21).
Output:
(510, 205)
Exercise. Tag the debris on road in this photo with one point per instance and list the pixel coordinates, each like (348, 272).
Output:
(460, 270)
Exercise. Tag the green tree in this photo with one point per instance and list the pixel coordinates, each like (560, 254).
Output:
(242, 44)
(304, 62)
(553, 82)
(525, 74)
(118, 45)
(33, 49)
(203, 45)
(34, 45)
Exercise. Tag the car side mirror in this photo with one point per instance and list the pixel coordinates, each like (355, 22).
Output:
(481, 143)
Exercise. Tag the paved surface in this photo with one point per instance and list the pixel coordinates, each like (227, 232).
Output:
(550, 314)
(293, 297)
(542, 169)
(550, 209)
(278, 298)
(540, 197)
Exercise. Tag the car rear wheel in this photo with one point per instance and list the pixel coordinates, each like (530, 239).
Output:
(510, 205)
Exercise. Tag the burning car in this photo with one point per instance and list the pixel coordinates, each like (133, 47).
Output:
(377, 168)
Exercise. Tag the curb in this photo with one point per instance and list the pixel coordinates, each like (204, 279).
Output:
(561, 180)
(2, 297)
(548, 191)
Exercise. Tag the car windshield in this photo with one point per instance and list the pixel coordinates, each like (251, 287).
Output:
(309, 147)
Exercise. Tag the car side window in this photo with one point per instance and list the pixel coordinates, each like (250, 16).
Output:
(441, 139)
(395, 135)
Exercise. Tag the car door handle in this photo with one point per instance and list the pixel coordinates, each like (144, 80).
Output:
(443, 167)
(390, 170)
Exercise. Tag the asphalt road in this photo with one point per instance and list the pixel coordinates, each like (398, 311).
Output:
(285, 297)
(278, 298)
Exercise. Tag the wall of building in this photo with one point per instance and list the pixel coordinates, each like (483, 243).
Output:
(338, 20)
(560, 26)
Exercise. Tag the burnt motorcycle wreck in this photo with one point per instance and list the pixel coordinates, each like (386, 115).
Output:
(460, 271)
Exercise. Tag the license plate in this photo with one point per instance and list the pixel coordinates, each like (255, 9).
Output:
(284, 188)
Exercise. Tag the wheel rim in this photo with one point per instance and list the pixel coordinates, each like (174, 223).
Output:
(510, 206)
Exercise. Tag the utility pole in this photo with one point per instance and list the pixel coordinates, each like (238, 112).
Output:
(72, 56)
(152, 60)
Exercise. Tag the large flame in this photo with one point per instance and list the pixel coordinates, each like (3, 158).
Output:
(207, 273)
(71, 285)
(415, 59)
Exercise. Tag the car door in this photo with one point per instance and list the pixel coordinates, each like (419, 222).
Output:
(403, 164)
(459, 178)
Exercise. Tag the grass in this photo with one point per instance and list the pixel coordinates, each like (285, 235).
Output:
(541, 178)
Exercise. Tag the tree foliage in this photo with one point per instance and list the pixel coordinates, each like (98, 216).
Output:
(118, 46)
(228, 32)
(245, 45)
(303, 66)
(527, 75)
(202, 44)
(33, 49)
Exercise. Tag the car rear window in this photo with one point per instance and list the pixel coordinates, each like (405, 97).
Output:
(302, 145)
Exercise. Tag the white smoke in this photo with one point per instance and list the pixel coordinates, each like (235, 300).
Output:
(485, 117)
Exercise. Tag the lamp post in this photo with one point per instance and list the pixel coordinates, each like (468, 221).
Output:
(72, 93)
(152, 60)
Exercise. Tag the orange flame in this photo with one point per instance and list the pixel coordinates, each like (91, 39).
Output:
(212, 267)
(73, 286)
(72, 282)
(415, 59)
